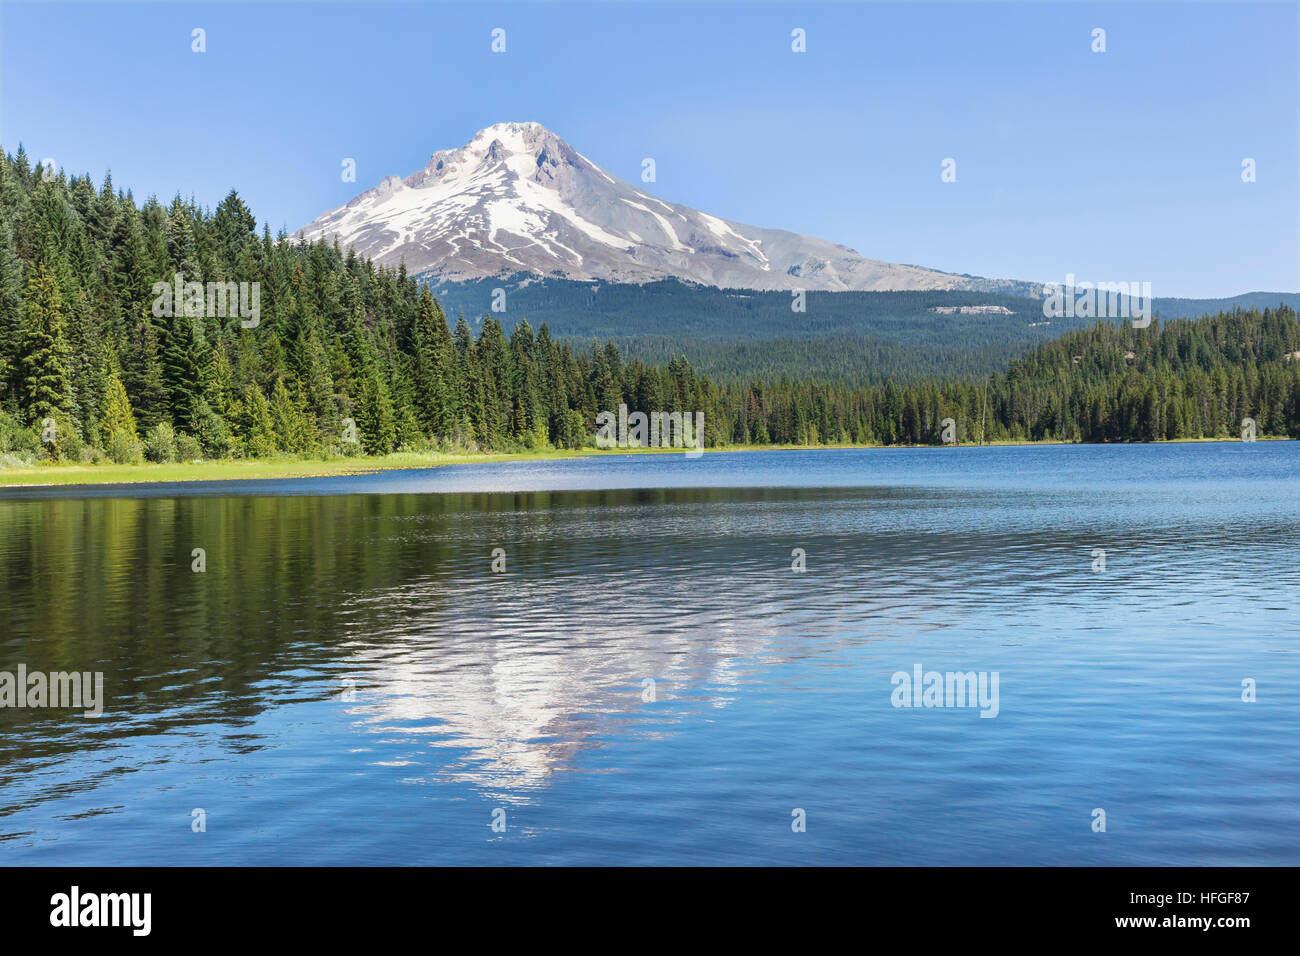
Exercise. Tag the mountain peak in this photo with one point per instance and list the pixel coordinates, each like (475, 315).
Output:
(517, 198)
(502, 138)
(505, 131)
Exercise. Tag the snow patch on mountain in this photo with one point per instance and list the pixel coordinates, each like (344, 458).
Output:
(517, 198)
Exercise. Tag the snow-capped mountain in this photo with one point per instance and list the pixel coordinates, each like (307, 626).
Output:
(517, 198)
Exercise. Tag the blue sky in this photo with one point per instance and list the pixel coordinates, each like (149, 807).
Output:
(1123, 165)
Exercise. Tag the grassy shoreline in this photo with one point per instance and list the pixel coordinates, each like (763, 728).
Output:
(70, 474)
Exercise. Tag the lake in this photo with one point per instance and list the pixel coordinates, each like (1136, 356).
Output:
(652, 673)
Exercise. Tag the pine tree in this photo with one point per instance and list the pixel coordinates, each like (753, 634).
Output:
(120, 439)
(142, 373)
(11, 285)
(436, 392)
(291, 432)
(256, 425)
(376, 422)
(181, 359)
(43, 348)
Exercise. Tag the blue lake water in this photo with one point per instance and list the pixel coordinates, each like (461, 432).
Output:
(350, 682)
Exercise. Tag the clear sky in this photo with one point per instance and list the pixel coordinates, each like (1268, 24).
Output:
(1123, 165)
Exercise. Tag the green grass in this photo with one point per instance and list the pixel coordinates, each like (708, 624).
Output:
(66, 473)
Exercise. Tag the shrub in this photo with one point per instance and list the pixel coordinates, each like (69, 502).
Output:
(70, 443)
(9, 459)
(124, 449)
(160, 443)
(213, 433)
(57, 437)
(187, 447)
(14, 439)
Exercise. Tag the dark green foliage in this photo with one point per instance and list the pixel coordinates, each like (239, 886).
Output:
(346, 357)
(42, 356)
(852, 338)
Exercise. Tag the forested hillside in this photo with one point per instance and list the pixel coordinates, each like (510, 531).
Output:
(855, 338)
(851, 338)
(346, 358)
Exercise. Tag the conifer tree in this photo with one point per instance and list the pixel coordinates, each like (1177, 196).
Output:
(256, 424)
(43, 348)
(121, 441)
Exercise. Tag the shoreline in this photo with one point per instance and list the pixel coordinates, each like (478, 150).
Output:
(271, 469)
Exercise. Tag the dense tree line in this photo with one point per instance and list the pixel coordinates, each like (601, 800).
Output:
(849, 338)
(345, 357)
(1187, 378)
(853, 338)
